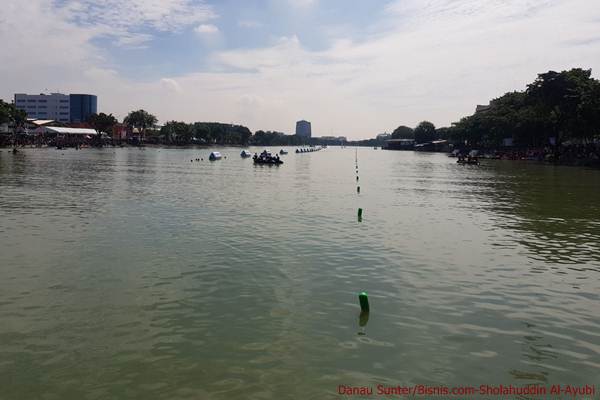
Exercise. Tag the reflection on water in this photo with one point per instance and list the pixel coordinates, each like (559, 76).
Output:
(132, 273)
(553, 211)
(363, 320)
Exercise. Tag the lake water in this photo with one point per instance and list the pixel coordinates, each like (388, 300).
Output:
(137, 274)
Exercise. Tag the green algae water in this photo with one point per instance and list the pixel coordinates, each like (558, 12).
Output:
(138, 274)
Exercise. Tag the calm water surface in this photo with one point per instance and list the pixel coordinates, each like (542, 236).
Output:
(135, 273)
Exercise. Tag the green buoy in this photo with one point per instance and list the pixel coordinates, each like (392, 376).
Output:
(363, 299)
(358, 189)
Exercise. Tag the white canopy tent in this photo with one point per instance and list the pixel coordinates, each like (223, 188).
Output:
(68, 131)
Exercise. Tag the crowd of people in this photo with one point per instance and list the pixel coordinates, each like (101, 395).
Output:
(266, 158)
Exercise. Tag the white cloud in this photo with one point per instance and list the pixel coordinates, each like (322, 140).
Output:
(432, 62)
(206, 29)
(130, 20)
(171, 85)
(303, 3)
(437, 63)
(250, 24)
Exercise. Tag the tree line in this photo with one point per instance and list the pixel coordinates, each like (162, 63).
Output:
(555, 108)
(142, 126)
(173, 132)
(182, 133)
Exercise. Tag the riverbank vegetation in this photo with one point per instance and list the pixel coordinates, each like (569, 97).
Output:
(12, 119)
(181, 134)
(556, 108)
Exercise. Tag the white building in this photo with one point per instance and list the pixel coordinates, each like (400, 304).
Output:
(55, 106)
(303, 129)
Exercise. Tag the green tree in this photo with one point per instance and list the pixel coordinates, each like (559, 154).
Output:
(16, 116)
(201, 131)
(564, 105)
(403, 132)
(177, 132)
(4, 112)
(443, 133)
(558, 96)
(140, 119)
(102, 123)
(588, 111)
(425, 132)
(9, 113)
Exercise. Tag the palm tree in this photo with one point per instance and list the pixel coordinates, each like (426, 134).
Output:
(101, 123)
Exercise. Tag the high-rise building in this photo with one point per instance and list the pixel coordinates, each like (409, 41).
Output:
(44, 106)
(57, 106)
(82, 106)
(303, 129)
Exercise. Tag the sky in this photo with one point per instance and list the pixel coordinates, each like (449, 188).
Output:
(352, 68)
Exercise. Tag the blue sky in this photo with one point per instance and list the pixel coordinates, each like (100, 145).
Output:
(354, 68)
(243, 25)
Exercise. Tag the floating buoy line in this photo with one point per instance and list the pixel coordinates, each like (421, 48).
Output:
(363, 298)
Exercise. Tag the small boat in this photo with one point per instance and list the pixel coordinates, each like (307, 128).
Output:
(215, 155)
(268, 161)
(267, 158)
(245, 154)
(282, 151)
(468, 161)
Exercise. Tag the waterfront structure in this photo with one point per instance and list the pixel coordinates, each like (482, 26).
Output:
(383, 136)
(482, 108)
(400, 144)
(57, 106)
(303, 129)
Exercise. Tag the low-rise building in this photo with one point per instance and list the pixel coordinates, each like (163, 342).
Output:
(400, 144)
(482, 108)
